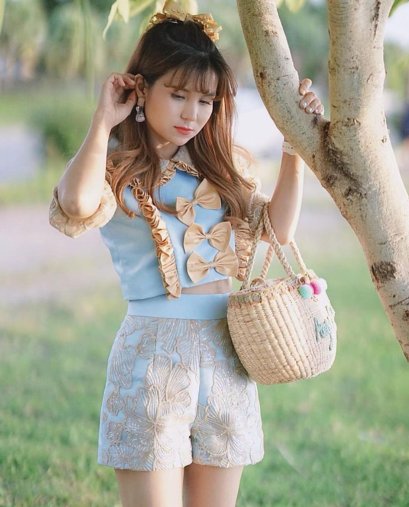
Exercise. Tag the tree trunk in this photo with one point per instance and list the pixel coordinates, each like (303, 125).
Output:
(351, 154)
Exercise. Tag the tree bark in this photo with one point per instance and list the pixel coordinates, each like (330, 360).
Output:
(351, 154)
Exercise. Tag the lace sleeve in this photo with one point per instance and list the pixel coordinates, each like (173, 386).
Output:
(74, 227)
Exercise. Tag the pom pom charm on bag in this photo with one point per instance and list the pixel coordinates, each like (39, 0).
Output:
(313, 288)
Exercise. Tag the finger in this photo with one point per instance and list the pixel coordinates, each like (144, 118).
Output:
(313, 105)
(307, 99)
(117, 81)
(131, 99)
(304, 86)
(319, 109)
(124, 81)
(129, 78)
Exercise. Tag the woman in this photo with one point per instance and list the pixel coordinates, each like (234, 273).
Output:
(180, 417)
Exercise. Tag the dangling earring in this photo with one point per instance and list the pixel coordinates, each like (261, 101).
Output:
(140, 115)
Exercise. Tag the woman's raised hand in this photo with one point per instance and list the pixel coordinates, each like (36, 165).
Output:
(309, 102)
(111, 110)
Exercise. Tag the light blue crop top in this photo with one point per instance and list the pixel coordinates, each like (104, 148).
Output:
(133, 251)
(153, 272)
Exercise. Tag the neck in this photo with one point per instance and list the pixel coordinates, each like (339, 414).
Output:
(166, 150)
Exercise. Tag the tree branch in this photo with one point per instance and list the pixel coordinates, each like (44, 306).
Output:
(356, 68)
(276, 78)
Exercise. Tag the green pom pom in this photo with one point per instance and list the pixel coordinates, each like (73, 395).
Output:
(306, 291)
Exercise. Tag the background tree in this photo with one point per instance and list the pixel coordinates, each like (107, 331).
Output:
(350, 153)
(22, 39)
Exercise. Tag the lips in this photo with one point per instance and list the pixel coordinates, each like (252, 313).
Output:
(184, 130)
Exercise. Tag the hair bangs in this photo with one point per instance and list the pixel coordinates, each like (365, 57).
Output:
(203, 77)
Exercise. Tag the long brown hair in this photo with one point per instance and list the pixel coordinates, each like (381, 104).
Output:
(184, 48)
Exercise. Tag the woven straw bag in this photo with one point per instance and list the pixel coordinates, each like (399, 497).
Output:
(282, 329)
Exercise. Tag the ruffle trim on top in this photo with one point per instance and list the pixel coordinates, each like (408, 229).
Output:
(256, 205)
(161, 240)
(74, 227)
(245, 231)
(171, 167)
(243, 241)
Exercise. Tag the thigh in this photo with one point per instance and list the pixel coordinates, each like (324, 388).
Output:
(160, 488)
(227, 431)
(150, 396)
(206, 486)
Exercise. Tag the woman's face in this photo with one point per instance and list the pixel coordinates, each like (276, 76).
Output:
(175, 116)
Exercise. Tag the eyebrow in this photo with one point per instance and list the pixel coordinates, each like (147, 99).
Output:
(207, 94)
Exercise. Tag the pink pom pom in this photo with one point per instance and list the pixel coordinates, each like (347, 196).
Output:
(323, 283)
(316, 286)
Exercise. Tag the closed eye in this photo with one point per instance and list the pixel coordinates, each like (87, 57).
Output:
(177, 96)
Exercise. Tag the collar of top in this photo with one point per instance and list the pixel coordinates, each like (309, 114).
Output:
(181, 160)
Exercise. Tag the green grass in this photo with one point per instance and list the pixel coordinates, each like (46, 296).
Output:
(339, 440)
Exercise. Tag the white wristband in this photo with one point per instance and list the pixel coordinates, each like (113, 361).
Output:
(287, 148)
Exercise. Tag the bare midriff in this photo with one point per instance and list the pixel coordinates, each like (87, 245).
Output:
(216, 287)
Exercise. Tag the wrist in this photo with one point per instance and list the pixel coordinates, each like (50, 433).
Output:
(100, 126)
(102, 122)
(288, 148)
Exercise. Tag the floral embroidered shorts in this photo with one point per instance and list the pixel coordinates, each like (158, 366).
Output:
(176, 393)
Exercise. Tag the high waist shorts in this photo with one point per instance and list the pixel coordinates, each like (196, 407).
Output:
(176, 393)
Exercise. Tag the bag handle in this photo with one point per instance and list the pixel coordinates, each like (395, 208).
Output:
(274, 247)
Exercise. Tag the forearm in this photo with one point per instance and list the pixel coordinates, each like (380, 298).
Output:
(285, 203)
(81, 186)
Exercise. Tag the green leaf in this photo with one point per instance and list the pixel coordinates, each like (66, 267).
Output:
(137, 6)
(123, 9)
(188, 6)
(128, 8)
(111, 17)
(396, 4)
(294, 5)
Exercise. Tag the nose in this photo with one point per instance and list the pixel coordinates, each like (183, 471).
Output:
(189, 111)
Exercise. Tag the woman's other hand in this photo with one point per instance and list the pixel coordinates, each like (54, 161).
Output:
(111, 110)
(309, 102)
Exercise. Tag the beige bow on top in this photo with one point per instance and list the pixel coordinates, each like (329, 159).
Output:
(205, 196)
(225, 263)
(218, 236)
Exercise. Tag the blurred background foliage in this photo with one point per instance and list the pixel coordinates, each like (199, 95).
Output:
(55, 53)
(62, 39)
(339, 440)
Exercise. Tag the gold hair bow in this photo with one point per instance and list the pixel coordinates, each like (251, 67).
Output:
(205, 195)
(172, 10)
(225, 263)
(218, 236)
